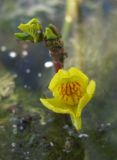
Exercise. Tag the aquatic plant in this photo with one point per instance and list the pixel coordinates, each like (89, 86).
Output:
(71, 89)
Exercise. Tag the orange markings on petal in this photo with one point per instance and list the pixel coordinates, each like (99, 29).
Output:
(70, 92)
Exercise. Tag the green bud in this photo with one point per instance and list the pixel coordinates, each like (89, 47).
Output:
(51, 32)
(33, 28)
(55, 30)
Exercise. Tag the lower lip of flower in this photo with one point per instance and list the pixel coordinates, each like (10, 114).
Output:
(70, 92)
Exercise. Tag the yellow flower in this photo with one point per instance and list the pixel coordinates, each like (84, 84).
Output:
(72, 90)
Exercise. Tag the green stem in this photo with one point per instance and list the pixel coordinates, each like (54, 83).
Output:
(71, 14)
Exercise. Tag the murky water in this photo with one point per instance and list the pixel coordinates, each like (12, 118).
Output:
(28, 131)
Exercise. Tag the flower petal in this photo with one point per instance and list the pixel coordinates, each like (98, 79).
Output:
(60, 77)
(63, 76)
(77, 75)
(77, 122)
(57, 106)
(87, 97)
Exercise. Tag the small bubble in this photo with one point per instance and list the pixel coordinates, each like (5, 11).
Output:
(13, 144)
(15, 75)
(12, 54)
(102, 125)
(26, 153)
(24, 53)
(51, 144)
(108, 124)
(25, 86)
(48, 64)
(83, 135)
(21, 128)
(3, 48)
(43, 123)
(39, 74)
(28, 70)
(65, 126)
(14, 126)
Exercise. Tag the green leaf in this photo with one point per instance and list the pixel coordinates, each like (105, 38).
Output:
(23, 36)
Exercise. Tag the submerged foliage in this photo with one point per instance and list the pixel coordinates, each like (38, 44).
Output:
(34, 32)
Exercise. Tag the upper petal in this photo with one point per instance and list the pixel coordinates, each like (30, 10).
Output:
(60, 77)
(87, 97)
(63, 76)
(57, 106)
(79, 76)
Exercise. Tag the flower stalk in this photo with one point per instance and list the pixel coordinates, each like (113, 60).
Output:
(56, 51)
